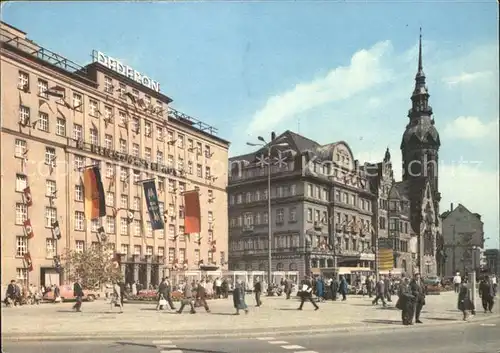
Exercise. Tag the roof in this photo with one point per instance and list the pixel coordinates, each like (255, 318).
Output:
(460, 207)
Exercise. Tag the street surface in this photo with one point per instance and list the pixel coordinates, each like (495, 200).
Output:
(97, 321)
(467, 337)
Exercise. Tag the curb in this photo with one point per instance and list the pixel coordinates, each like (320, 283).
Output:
(125, 336)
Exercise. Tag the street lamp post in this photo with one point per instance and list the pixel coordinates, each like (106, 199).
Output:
(268, 146)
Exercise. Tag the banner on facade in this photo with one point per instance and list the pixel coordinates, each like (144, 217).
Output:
(152, 204)
(192, 216)
(95, 205)
(385, 254)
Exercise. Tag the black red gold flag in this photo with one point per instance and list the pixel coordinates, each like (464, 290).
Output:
(95, 205)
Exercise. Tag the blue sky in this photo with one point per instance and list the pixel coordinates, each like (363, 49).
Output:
(330, 71)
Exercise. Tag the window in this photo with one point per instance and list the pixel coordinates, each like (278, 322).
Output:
(110, 170)
(170, 161)
(171, 231)
(149, 250)
(181, 211)
(21, 275)
(23, 81)
(137, 176)
(77, 101)
(309, 214)
(108, 141)
(207, 172)
(279, 191)
(159, 157)
(43, 121)
(208, 153)
(77, 132)
(171, 255)
(135, 93)
(60, 127)
(147, 129)
(123, 146)
(180, 140)
(50, 155)
(122, 118)
(79, 220)
(124, 201)
(310, 190)
(124, 249)
(182, 233)
(50, 188)
(108, 84)
(93, 107)
(171, 185)
(210, 216)
(149, 229)
(293, 214)
(110, 223)
(24, 115)
(136, 125)
(43, 86)
(108, 113)
(21, 213)
(392, 224)
(79, 161)
(293, 190)
(180, 164)
(198, 148)
(199, 171)
(135, 150)
(21, 182)
(21, 246)
(123, 90)
(110, 199)
(137, 250)
(123, 174)
(279, 216)
(137, 228)
(190, 167)
(94, 137)
(95, 224)
(21, 148)
(137, 203)
(147, 154)
(381, 222)
(123, 226)
(182, 255)
(159, 132)
(79, 246)
(50, 248)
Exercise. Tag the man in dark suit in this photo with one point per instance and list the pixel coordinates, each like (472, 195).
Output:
(78, 294)
(487, 294)
(201, 295)
(257, 288)
(418, 291)
(166, 290)
(306, 291)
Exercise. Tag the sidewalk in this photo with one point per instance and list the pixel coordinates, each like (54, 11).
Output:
(277, 314)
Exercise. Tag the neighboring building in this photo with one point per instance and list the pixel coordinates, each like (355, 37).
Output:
(320, 212)
(462, 233)
(392, 213)
(492, 261)
(58, 117)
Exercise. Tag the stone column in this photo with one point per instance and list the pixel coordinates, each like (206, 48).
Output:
(136, 272)
(148, 271)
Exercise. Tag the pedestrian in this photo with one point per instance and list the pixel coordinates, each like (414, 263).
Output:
(387, 289)
(417, 290)
(343, 288)
(465, 304)
(405, 301)
(380, 292)
(201, 295)
(487, 294)
(188, 299)
(165, 290)
(457, 280)
(117, 297)
(218, 287)
(494, 281)
(369, 288)
(287, 287)
(78, 294)
(334, 287)
(225, 288)
(57, 294)
(320, 289)
(257, 288)
(306, 294)
(239, 297)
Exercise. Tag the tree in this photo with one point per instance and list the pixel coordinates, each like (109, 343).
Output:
(94, 266)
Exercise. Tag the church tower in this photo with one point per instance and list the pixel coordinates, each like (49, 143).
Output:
(420, 144)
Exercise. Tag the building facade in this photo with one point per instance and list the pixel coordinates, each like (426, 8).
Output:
(462, 234)
(59, 117)
(492, 261)
(321, 213)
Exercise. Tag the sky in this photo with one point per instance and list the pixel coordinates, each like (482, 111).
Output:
(328, 70)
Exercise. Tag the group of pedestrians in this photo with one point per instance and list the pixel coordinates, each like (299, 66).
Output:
(411, 299)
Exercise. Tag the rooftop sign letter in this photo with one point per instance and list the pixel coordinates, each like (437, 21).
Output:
(125, 70)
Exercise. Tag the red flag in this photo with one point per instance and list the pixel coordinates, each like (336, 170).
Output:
(28, 200)
(192, 217)
(28, 229)
(28, 262)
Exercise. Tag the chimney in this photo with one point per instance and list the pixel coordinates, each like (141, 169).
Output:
(451, 207)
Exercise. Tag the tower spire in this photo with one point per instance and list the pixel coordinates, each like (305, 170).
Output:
(420, 71)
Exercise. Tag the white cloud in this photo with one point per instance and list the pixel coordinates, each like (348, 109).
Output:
(471, 128)
(341, 83)
(465, 77)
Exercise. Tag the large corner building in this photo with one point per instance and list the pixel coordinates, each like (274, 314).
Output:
(328, 210)
(58, 117)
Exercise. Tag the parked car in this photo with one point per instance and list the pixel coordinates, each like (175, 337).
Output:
(432, 281)
(66, 293)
